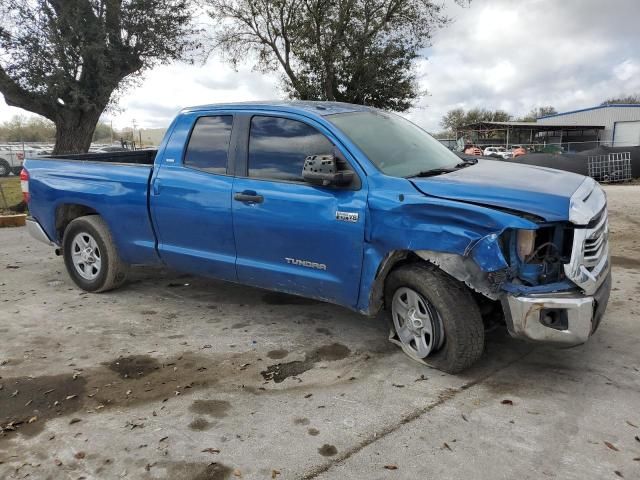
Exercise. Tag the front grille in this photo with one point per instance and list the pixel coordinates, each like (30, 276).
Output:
(595, 244)
(589, 265)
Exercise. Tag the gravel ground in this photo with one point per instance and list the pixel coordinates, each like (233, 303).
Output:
(186, 378)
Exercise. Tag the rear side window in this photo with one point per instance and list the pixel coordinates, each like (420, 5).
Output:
(208, 147)
(278, 147)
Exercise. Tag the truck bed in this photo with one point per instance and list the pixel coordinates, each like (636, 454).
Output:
(137, 157)
(114, 185)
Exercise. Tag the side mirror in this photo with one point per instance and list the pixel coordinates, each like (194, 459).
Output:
(323, 170)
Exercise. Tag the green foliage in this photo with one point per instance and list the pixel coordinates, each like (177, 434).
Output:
(102, 133)
(64, 59)
(358, 51)
(455, 119)
(622, 100)
(38, 129)
(22, 129)
(538, 112)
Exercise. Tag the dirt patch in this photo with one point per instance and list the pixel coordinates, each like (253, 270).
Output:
(198, 471)
(135, 366)
(625, 262)
(277, 354)
(324, 331)
(277, 298)
(121, 383)
(313, 431)
(200, 424)
(327, 450)
(281, 371)
(214, 408)
(301, 421)
(35, 400)
(237, 326)
(331, 353)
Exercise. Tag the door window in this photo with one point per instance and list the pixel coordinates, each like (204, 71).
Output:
(278, 147)
(208, 147)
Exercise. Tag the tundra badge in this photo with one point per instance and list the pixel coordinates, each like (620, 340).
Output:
(347, 216)
(306, 263)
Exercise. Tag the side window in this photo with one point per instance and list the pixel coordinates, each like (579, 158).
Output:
(278, 147)
(208, 147)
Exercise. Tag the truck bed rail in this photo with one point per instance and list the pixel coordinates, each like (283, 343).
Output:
(138, 157)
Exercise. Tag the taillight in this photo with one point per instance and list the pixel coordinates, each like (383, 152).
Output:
(24, 184)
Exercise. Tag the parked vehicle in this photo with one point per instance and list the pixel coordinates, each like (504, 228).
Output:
(345, 204)
(11, 159)
(500, 152)
(12, 156)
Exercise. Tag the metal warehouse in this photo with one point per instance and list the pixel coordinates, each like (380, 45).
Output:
(621, 123)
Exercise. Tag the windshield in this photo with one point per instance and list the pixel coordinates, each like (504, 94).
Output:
(395, 145)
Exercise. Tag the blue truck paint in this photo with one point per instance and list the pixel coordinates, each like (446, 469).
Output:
(115, 193)
(537, 190)
(186, 219)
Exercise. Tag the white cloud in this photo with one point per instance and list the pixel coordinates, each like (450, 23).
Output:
(507, 54)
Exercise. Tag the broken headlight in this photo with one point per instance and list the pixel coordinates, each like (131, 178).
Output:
(525, 240)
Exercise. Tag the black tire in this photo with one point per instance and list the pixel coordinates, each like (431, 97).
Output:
(5, 168)
(112, 272)
(460, 315)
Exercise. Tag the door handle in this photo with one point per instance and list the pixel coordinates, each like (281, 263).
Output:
(156, 187)
(248, 197)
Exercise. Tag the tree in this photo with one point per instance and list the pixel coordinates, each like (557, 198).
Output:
(63, 59)
(455, 119)
(623, 99)
(538, 112)
(21, 129)
(358, 51)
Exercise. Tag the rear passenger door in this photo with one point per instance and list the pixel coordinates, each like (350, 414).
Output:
(191, 198)
(290, 235)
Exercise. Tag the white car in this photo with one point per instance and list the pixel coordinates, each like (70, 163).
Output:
(12, 157)
(497, 152)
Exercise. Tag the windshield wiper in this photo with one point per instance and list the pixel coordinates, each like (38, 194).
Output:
(466, 162)
(433, 172)
(439, 171)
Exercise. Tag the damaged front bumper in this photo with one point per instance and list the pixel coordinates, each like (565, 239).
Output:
(563, 319)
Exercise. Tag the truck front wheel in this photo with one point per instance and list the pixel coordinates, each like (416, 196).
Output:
(90, 255)
(434, 318)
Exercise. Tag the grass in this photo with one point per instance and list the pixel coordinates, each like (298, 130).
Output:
(12, 192)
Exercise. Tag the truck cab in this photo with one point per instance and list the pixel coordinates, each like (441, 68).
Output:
(345, 204)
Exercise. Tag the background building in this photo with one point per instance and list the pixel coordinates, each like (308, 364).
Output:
(621, 123)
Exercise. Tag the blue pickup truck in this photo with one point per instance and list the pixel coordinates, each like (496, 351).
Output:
(345, 204)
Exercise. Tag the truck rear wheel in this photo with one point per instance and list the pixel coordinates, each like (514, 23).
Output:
(434, 318)
(90, 255)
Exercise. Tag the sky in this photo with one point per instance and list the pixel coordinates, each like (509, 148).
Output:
(513, 55)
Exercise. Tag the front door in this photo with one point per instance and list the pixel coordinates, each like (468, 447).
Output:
(290, 235)
(191, 202)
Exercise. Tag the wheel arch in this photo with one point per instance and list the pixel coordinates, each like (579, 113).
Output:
(458, 267)
(391, 261)
(67, 212)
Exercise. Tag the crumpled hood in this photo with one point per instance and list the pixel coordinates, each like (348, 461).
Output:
(544, 192)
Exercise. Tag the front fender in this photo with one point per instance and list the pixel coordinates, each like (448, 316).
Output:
(463, 238)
